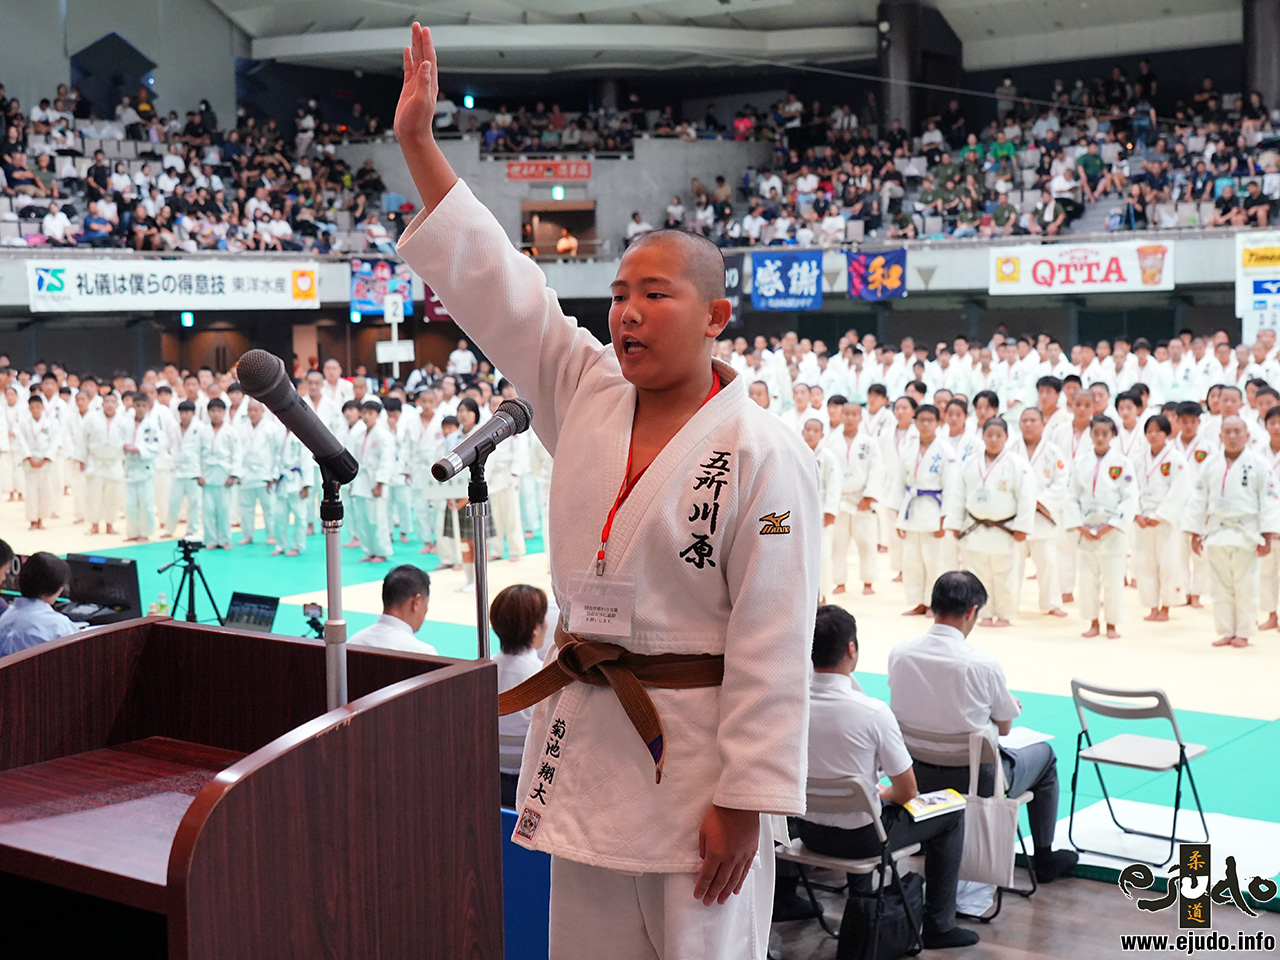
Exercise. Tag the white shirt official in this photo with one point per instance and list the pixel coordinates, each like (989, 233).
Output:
(391, 633)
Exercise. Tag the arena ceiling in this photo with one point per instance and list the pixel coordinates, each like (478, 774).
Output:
(608, 36)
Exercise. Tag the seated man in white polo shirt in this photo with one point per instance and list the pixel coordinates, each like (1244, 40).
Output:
(405, 593)
(853, 735)
(939, 683)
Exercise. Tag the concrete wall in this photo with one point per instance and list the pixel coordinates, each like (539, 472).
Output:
(32, 59)
(660, 169)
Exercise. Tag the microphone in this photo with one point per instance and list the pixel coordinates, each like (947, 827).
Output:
(263, 377)
(512, 417)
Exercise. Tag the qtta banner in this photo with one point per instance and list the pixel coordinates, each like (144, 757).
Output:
(119, 286)
(786, 281)
(733, 286)
(1257, 283)
(1063, 268)
(372, 280)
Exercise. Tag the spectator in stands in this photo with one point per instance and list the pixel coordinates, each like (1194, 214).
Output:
(21, 178)
(637, 226)
(1135, 213)
(1003, 220)
(56, 228)
(1049, 216)
(1256, 208)
(31, 619)
(567, 245)
(97, 229)
(1227, 211)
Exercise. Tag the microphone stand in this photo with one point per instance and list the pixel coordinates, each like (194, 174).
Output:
(335, 627)
(478, 511)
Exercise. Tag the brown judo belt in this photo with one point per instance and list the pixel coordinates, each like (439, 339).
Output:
(610, 665)
(978, 522)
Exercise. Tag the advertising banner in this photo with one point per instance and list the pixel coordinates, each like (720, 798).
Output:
(1064, 268)
(548, 169)
(109, 286)
(372, 280)
(1257, 264)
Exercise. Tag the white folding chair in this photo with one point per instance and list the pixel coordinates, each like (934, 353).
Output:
(1135, 751)
(847, 795)
(954, 750)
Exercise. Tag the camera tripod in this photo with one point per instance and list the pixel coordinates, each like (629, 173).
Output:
(190, 571)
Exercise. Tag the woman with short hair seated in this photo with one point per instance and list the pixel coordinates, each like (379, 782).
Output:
(518, 615)
(31, 619)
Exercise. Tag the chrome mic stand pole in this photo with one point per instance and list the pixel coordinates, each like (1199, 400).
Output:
(478, 511)
(335, 627)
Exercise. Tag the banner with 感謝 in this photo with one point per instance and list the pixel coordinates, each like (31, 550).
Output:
(1257, 283)
(116, 286)
(1126, 266)
(786, 281)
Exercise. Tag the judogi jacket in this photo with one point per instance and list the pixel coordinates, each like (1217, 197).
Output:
(148, 436)
(721, 517)
(37, 439)
(1050, 474)
(376, 451)
(104, 440)
(1164, 483)
(930, 478)
(1233, 505)
(862, 467)
(259, 448)
(830, 481)
(295, 467)
(189, 449)
(1102, 491)
(222, 456)
(999, 491)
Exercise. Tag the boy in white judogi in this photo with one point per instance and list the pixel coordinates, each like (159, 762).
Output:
(502, 472)
(1073, 439)
(1101, 503)
(1050, 475)
(400, 505)
(77, 456)
(37, 445)
(1196, 446)
(994, 513)
(426, 446)
(106, 431)
(1233, 515)
(220, 471)
(896, 436)
(830, 483)
(291, 492)
(140, 453)
(930, 478)
(188, 449)
(862, 476)
(1269, 569)
(1164, 483)
(375, 450)
(167, 421)
(259, 466)
(643, 868)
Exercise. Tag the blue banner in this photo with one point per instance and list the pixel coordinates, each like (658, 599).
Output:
(878, 276)
(371, 280)
(786, 281)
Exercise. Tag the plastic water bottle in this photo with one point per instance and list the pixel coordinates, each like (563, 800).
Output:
(162, 605)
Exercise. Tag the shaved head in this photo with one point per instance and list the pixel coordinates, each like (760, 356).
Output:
(700, 258)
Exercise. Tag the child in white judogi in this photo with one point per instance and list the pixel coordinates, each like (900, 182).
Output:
(426, 446)
(291, 490)
(9, 410)
(1233, 515)
(106, 431)
(1074, 440)
(188, 449)
(220, 471)
(1101, 503)
(167, 421)
(1050, 474)
(77, 456)
(930, 477)
(37, 446)
(503, 474)
(896, 435)
(259, 463)
(994, 512)
(140, 453)
(376, 454)
(401, 486)
(1269, 569)
(1196, 446)
(862, 478)
(830, 484)
(1164, 483)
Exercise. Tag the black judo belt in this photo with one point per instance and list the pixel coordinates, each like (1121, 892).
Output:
(979, 522)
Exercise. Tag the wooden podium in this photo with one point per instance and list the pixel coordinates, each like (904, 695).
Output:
(176, 790)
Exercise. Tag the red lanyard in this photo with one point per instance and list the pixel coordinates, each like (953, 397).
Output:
(1096, 467)
(1155, 466)
(629, 484)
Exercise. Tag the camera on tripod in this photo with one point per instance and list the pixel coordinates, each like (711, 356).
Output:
(191, 572)
(190, 547)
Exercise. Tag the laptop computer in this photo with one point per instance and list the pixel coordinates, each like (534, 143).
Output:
(250, 611)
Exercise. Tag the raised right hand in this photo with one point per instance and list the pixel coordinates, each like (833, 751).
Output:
(415, 113)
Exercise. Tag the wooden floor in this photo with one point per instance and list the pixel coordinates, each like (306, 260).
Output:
(1073, 919)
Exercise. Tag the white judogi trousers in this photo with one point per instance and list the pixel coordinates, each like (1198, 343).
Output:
(602, 914)
(1269, 582)
(429, 509)
(1233, 581)
(79, 490)
(251, 495)
(217, 510)
(1198, 583)
(922, 564)
(140, 507)
(997, 571)
(189, 490)
(372, 526)
(39, 486)
(862, 529)
(105, 496)
(1158, 567)
(1069, 554)
(289, 517)
(1046, 555)
(164, 490)
(889, 531)
(506, 522)
(402, 509)
(8, 472)
(1102, 576)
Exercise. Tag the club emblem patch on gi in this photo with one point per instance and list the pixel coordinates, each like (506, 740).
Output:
(1200, 455)
(1114, 472)
(773, 524)
(528, 824)
(1166, 469)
